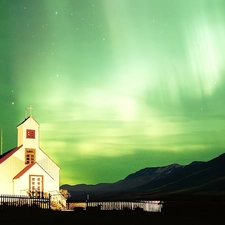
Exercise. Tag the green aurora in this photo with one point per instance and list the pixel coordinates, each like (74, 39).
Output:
(116, 85)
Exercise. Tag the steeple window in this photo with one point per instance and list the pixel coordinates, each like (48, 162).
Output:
(30, 133)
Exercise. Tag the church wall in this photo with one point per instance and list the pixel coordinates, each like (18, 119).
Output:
(20, 189)
(52, 169)
(19, 136)
(40, 155)
(21, 185)
(7, 172)
(20, 154)
(30, 143)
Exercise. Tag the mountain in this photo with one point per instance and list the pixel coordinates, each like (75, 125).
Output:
(196, 180)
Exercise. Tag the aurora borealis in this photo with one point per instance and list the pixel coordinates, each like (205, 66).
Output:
(116, 85)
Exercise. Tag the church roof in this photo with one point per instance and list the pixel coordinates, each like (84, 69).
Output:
(6, 155)
(24, 170)
(27, 119)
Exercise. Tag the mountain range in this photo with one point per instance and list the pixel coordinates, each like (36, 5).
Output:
(193, 181)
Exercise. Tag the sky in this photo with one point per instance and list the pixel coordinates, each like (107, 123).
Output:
(116, 85)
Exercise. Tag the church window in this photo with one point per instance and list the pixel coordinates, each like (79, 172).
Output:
(30, 155)
(30, 133)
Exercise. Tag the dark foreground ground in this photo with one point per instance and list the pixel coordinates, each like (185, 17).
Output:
(182, 213)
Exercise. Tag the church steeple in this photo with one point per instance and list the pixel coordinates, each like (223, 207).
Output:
(28, 132)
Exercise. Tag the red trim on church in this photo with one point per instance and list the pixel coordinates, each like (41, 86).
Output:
(23, 171)
(8, 154)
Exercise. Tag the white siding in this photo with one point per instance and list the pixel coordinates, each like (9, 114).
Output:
(9, 169)
(22, 183)
(19, 136)
(52, 169)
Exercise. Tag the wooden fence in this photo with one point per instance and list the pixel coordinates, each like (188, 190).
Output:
(41, 201)
(148, 206)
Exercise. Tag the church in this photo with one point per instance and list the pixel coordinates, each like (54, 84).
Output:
(27, 168)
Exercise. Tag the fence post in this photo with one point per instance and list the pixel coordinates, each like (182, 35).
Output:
(49, 201)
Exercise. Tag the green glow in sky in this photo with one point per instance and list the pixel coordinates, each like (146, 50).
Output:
(118, 85)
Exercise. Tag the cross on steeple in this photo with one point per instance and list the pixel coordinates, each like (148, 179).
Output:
(30, 108)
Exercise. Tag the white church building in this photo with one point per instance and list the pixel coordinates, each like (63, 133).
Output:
(27, 168)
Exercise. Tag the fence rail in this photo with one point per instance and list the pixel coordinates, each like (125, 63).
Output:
(25, 201)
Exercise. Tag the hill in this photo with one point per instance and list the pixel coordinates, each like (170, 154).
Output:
(195, 180)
